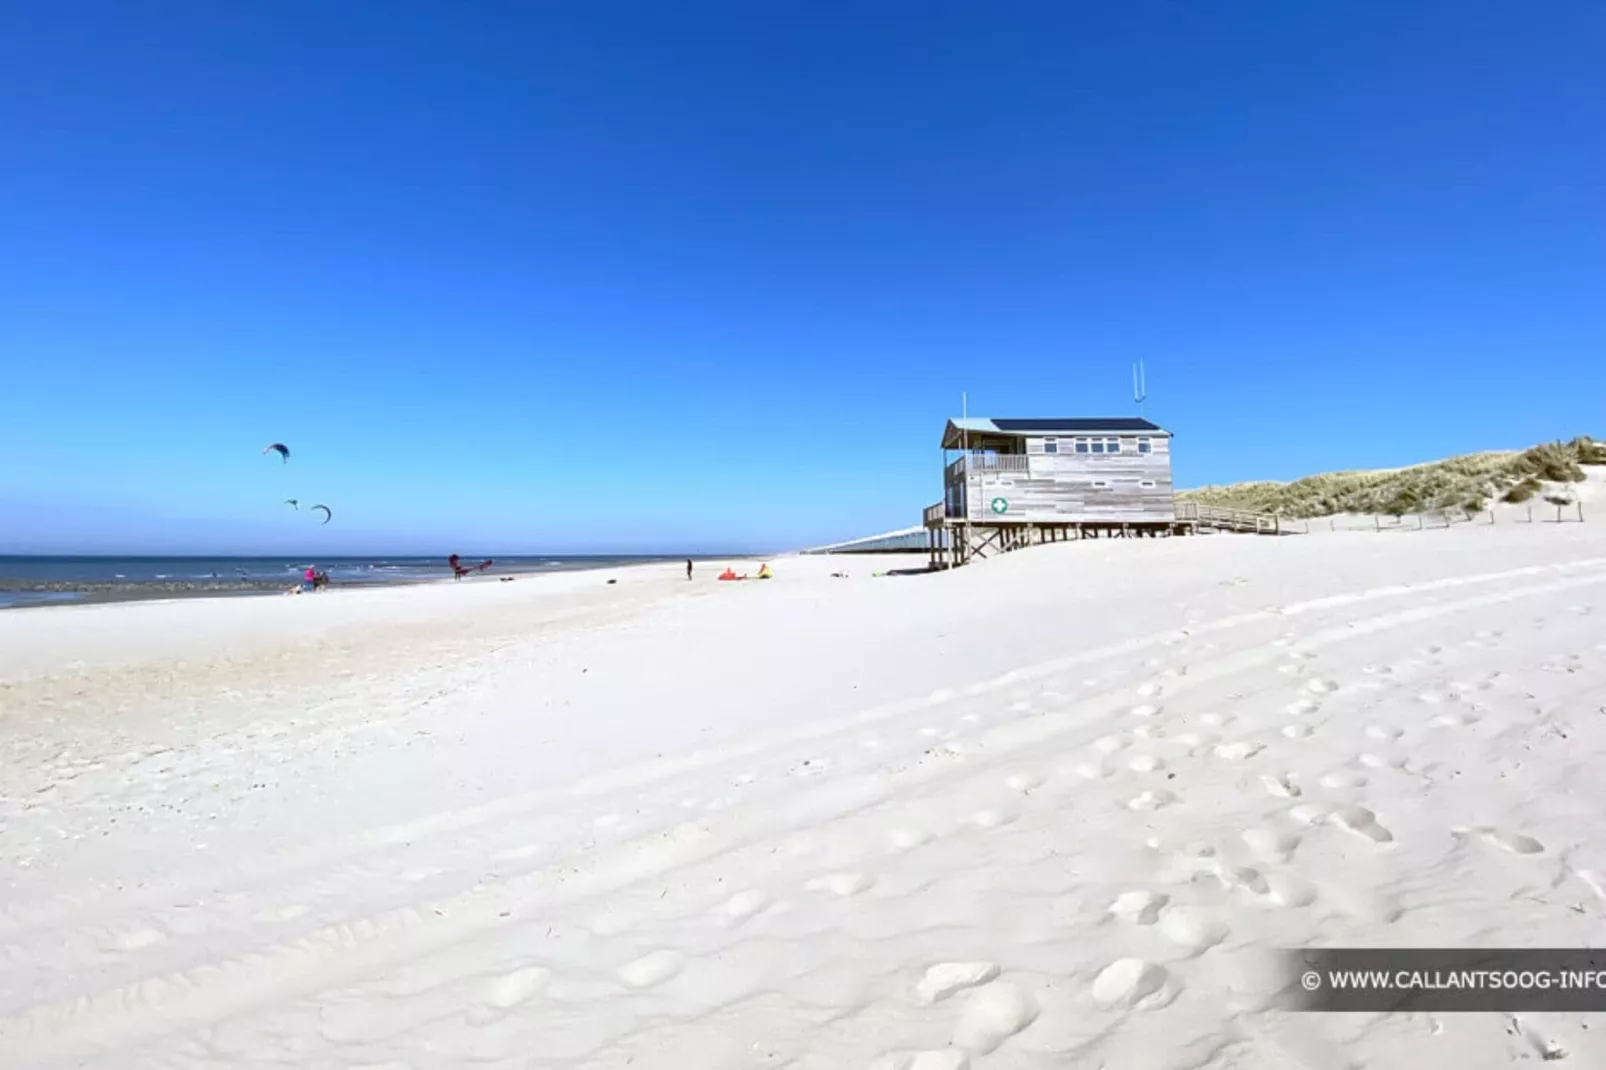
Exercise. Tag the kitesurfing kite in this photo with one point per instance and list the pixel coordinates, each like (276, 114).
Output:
(283, 450)
(292, 503)
(327, 514)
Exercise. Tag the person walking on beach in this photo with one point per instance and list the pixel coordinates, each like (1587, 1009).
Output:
(688, 568)
(310, 579)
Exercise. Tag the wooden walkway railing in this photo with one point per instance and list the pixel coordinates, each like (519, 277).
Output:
(1218, 519)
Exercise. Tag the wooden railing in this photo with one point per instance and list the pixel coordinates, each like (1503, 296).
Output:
(1211, 516)
(986, 462)
(932, 515)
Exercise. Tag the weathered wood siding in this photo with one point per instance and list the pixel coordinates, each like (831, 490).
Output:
(1068, 486)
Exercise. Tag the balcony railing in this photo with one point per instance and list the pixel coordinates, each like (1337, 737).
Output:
(933, 514)
(976, 463)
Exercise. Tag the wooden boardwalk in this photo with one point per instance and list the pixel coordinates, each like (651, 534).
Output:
(952, 542)
(1212, 518)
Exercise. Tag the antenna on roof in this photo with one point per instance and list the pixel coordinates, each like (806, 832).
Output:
(1140, 386)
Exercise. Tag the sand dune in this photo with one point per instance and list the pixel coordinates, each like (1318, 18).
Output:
(1051, 810)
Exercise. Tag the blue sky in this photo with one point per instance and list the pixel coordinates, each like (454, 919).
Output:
(707, 276)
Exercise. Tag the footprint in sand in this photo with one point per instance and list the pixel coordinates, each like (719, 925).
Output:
(992, 1015)
(652, 969)
(1285, 891)
(843, 884)
(1140, 907)
(1364, 904)
(1130, 983)
(1145, 763)
(1387, 733)
(1191, 929)
(1382, 761)
(139, 938)
(1236, 752)
(1515, 842)
(993, 818)
(1196, 742)
(1308, 814)
(1297, 731)
(1342, 779)
(945, 978)
(1361, 822)
(1216, 720)
(1149, 690)
(1270, 845)
(514, 988)
(1459, 719)
(1321, 686)
(1151, 800)
(744, 905)
(1301, 707)
(907, 839)
(1023, 782)
(1145, 710)
(1109, 744)
(1280, 786)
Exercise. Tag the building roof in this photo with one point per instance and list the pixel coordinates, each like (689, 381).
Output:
(954, 434)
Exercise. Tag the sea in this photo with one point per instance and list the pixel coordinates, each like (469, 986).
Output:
(27, 580)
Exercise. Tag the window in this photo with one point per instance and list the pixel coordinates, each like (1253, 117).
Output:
(1098, 445)
(1101, 484)
(1143, 445)
(1146, 484)
(1081, 445)
(1112, 445)
(1051, 445)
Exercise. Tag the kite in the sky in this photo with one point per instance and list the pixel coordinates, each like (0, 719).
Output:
(292, 503)
(283, 450)
(328, 515)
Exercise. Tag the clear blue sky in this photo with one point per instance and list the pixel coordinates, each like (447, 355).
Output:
(679, 276)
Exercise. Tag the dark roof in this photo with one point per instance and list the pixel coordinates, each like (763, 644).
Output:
(1080, 424)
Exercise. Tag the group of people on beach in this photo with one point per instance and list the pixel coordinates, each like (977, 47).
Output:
(764, 573)
(313, 580)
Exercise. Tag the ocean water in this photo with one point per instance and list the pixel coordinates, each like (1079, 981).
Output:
(35, 580)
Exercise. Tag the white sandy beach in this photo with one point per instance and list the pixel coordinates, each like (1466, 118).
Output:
(1051, 810)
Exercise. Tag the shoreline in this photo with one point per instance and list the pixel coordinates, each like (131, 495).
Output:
(64, 594)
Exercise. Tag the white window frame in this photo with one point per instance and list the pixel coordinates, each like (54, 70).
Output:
(1083, 447)
(1112, 445)
(1051, 445)
(1145, 446)
(1146, 484)
(1101, 484)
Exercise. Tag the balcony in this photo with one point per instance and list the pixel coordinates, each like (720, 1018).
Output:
(979, 463)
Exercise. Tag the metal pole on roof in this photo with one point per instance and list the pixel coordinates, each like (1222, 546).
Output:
(964, 423)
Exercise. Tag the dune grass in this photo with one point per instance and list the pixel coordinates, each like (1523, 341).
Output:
(1468, 483)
